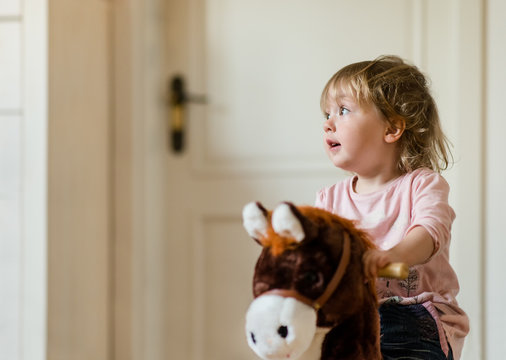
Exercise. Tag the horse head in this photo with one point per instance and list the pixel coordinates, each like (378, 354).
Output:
(311, 293)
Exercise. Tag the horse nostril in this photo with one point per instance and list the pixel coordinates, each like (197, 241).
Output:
(283, 331)
(253, 338)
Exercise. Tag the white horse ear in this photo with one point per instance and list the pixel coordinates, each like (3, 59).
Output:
(285, 223)
(254, 220)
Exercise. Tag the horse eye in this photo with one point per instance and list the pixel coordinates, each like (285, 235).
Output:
(310, 277)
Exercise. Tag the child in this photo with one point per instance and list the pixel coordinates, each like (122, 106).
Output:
(382, 125)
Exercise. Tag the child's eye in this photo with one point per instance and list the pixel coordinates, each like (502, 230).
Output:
(327, 116)
(343, 110)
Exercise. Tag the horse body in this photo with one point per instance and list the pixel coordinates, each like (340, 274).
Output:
(312, 299)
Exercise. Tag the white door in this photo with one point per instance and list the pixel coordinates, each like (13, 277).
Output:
(262, 65)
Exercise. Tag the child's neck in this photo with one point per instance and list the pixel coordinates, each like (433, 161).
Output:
(364, 184)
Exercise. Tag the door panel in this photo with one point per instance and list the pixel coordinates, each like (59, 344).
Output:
(10, 8)
(264, 66)
(220, 294)
(10, 65)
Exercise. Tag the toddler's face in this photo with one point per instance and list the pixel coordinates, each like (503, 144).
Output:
(354, 135)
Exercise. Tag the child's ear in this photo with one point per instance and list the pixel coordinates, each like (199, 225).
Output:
(394, 130)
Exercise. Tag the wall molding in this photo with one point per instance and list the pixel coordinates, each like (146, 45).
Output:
(34, 174)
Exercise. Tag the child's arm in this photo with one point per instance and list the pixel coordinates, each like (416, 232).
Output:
(416, 248)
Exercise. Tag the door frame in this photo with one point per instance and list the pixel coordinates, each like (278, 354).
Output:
(129, 154)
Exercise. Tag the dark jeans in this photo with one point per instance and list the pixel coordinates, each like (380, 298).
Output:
(409, 332)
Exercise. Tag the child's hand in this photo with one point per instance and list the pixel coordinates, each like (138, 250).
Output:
(374, 260)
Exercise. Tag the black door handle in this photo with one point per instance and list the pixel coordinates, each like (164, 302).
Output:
(177, 121)
(178, 99)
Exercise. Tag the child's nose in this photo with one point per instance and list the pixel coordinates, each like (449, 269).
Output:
(328, 125)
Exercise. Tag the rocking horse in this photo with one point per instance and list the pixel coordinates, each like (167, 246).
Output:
(312, 298)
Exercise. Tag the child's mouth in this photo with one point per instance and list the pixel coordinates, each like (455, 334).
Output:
(333, 144)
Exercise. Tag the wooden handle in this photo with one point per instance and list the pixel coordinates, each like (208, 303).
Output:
(394, 271)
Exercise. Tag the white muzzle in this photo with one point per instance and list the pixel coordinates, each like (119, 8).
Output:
(280, 327)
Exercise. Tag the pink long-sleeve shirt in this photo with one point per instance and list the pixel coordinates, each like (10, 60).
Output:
(418, 198)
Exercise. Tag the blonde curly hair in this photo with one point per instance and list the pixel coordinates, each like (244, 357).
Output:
(401, 92)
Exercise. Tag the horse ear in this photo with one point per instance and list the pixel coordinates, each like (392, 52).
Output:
(286, 223)
(254, 220)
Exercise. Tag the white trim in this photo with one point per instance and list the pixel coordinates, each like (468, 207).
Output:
(11, 112)
(10, 18)
(468, 111)
(34, 182)
(495, 175)
(212, 168)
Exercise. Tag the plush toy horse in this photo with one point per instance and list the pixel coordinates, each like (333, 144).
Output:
(312, 298)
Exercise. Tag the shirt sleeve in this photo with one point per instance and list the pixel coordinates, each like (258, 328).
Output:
(431, 209)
